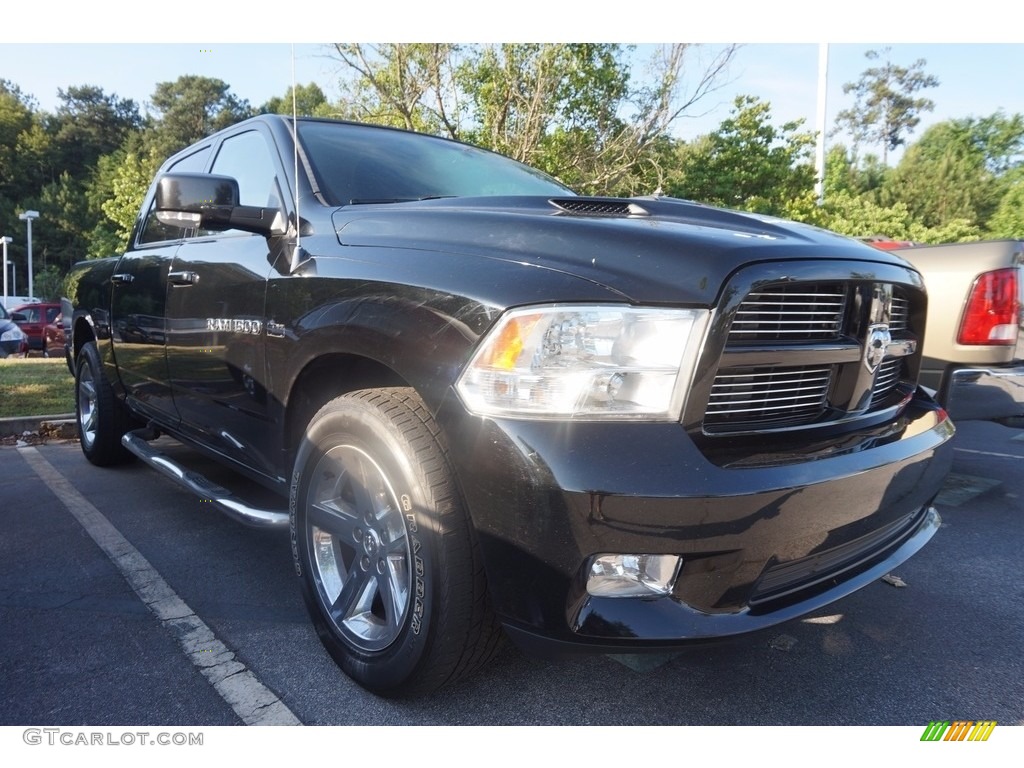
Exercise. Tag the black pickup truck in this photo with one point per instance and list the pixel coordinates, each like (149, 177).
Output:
(491, 407)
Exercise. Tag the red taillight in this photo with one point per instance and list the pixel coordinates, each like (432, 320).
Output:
(991, 316)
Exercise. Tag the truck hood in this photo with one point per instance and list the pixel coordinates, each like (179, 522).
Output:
(649, 250)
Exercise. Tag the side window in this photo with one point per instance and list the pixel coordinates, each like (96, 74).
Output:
(247, 159)
(153, 231)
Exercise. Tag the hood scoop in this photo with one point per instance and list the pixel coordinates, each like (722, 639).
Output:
(598, 206)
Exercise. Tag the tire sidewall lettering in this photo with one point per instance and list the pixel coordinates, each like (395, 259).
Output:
(419, 569)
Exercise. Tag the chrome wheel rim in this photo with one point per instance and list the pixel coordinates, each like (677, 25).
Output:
(359, 548)
(87, 406)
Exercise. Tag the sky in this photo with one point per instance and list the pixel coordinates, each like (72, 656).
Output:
(977, 62)
(975, 79)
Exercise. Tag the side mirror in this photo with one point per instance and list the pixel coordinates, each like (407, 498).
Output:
(18, 317)
(199, 200)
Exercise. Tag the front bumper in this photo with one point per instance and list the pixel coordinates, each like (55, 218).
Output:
(992, 392)
(761, 544)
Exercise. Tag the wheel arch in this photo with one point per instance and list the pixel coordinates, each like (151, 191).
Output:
(324, 378)
(82, 333)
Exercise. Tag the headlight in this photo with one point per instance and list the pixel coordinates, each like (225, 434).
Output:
(13, 334)
(586, 362)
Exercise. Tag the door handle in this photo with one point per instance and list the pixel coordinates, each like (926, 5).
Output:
(182, 278)
(121, 278)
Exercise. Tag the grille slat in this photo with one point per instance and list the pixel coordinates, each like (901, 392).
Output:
(796, 391)
(886, 379)
(807, 312)
(899, 314)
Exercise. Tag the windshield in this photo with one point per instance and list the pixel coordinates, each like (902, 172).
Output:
(3, 313)
(365, 164)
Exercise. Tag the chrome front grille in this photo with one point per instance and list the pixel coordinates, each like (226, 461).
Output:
(899, 314)
(768, 395)
(803, 353)
(798, 312)
(886, 379)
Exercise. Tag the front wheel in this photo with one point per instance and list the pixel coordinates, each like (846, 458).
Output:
(388, 563)
(102, 418)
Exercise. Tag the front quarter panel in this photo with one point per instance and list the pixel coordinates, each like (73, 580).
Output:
(418, 314)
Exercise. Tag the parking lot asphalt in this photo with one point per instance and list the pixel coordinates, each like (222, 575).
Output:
(81, 647)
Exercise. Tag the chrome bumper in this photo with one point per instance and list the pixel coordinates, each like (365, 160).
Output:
(986, 393)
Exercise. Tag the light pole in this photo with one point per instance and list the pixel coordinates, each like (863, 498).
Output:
(27, 217)
(5, 240)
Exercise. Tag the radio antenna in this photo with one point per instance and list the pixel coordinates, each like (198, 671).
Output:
(295, 144)
(297, 250)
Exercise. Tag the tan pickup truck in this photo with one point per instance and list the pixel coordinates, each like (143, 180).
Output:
(974, 350)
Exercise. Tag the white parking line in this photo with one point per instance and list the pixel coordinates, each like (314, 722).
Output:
(991, 453)
(252, 701)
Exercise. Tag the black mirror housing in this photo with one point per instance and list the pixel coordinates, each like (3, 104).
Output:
(201, 200)
(192, 192)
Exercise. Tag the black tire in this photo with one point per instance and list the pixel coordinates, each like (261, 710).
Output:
(387, 560)
(102, 418)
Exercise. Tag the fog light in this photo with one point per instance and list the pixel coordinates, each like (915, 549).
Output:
(632, 575)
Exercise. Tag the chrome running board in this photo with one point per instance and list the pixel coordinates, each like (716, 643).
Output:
(138, 443)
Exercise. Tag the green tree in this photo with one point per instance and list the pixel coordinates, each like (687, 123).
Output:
(942, 177)
(309, 101)
(845, 173)
(66, 218)
(23, 144)
(47, 283)
(104, 238)
(748, 163)
(1008, 219)
(575, 111)
(191, 108)
(88, 124)
(859, 216)
(999, 138)
(128, 186)
(886, 108)
(522, 94)
(405, 85)
(572, 110)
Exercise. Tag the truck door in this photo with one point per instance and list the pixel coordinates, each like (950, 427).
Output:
(138, 323)
(215, 303)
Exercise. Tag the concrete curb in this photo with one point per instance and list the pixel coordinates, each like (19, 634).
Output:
(62, 425)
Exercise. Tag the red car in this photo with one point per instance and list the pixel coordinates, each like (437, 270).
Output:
(37, 317)
(53, 338)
